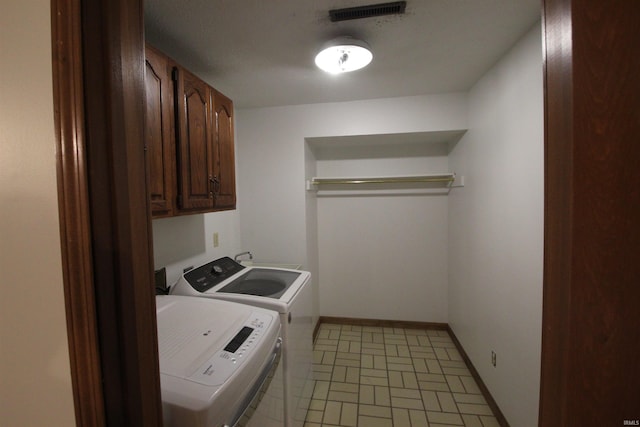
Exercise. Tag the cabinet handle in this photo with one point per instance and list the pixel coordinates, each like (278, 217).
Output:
(215, 184)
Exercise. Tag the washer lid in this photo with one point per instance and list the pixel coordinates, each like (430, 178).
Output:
(192, 332)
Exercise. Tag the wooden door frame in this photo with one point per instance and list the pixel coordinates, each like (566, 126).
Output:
(105, 217)
(105, 222)
(591, 296)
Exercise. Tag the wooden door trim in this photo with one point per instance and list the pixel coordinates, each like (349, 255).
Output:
(105, 221)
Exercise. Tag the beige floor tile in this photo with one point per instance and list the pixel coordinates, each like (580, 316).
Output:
(391, 350)
(403, 351)
(321, 390)
(420, 365)
(401, 402)
(329, 358)
(433, 366)
(373, 351)
(353, 375)
(367, 395)
(377, 346)
(339, 373)
(332, 413)
(441, 353)
(447, 403)
(412, 340)
(472, 408)
(343, 346)
(438, 378)
(456, 371)
(382, 396)
(375, 381)
(455, 384)
(380, 373)
(366, 361)
(347, 362)
(341, 396)
(375, 411)
(400, 360)
(314, 416)
(364, 420)
(404, 392)
(322, 347)
(452, 364)
(348, 356)
(470, 385)
(469, 398)
(471, 420)
(489, 421)
(424, 341)
(401, 417)
(409, 380)
(395, 379)
(430, 401)
(418, 418)
(322, 376)
(428, 385)
(349, 416)
(379, 362)
(400, 367)
(317, 405)
(444, 418)
(346, 387)
(454, 354)
(392, 377)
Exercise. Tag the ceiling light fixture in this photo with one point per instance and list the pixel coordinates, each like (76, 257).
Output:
(344, 54)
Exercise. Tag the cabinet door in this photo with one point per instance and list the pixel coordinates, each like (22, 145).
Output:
(195, 141)
(224, 160)
(159, 132)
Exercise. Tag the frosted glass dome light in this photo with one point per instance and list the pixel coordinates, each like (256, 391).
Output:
(343, 55)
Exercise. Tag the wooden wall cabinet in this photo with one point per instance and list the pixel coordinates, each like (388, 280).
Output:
(199, 174)
(158, 128)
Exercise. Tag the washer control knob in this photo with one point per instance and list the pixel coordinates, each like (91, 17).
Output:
(216, 270)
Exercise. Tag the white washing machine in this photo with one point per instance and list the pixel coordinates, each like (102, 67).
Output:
(217, 362)
(283, 290)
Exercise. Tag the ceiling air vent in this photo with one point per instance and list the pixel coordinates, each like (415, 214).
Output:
(360, 12)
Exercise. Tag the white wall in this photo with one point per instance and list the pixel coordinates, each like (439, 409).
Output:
(496, 230)
(273, 163)
(35, 377)
(383, 256)
(187, 241)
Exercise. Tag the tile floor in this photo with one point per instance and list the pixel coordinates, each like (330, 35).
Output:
(392, 377)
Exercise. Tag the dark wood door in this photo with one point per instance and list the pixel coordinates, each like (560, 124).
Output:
(591, 322)
(159, 132)
(194, 142)
(224, 159)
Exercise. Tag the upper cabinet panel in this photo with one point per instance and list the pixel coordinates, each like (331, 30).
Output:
(159, 132)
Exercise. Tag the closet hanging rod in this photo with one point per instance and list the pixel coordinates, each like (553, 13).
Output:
(385, 180)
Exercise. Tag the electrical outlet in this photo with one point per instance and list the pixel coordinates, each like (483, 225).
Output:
(493, 358)
(216, 241)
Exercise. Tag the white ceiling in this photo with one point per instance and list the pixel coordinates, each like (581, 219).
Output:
(261, 52)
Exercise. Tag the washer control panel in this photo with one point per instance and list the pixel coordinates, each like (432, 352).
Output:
(209, 275)
(222, 364)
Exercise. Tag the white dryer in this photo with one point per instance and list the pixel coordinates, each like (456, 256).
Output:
(217, 360)
(286, 291)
